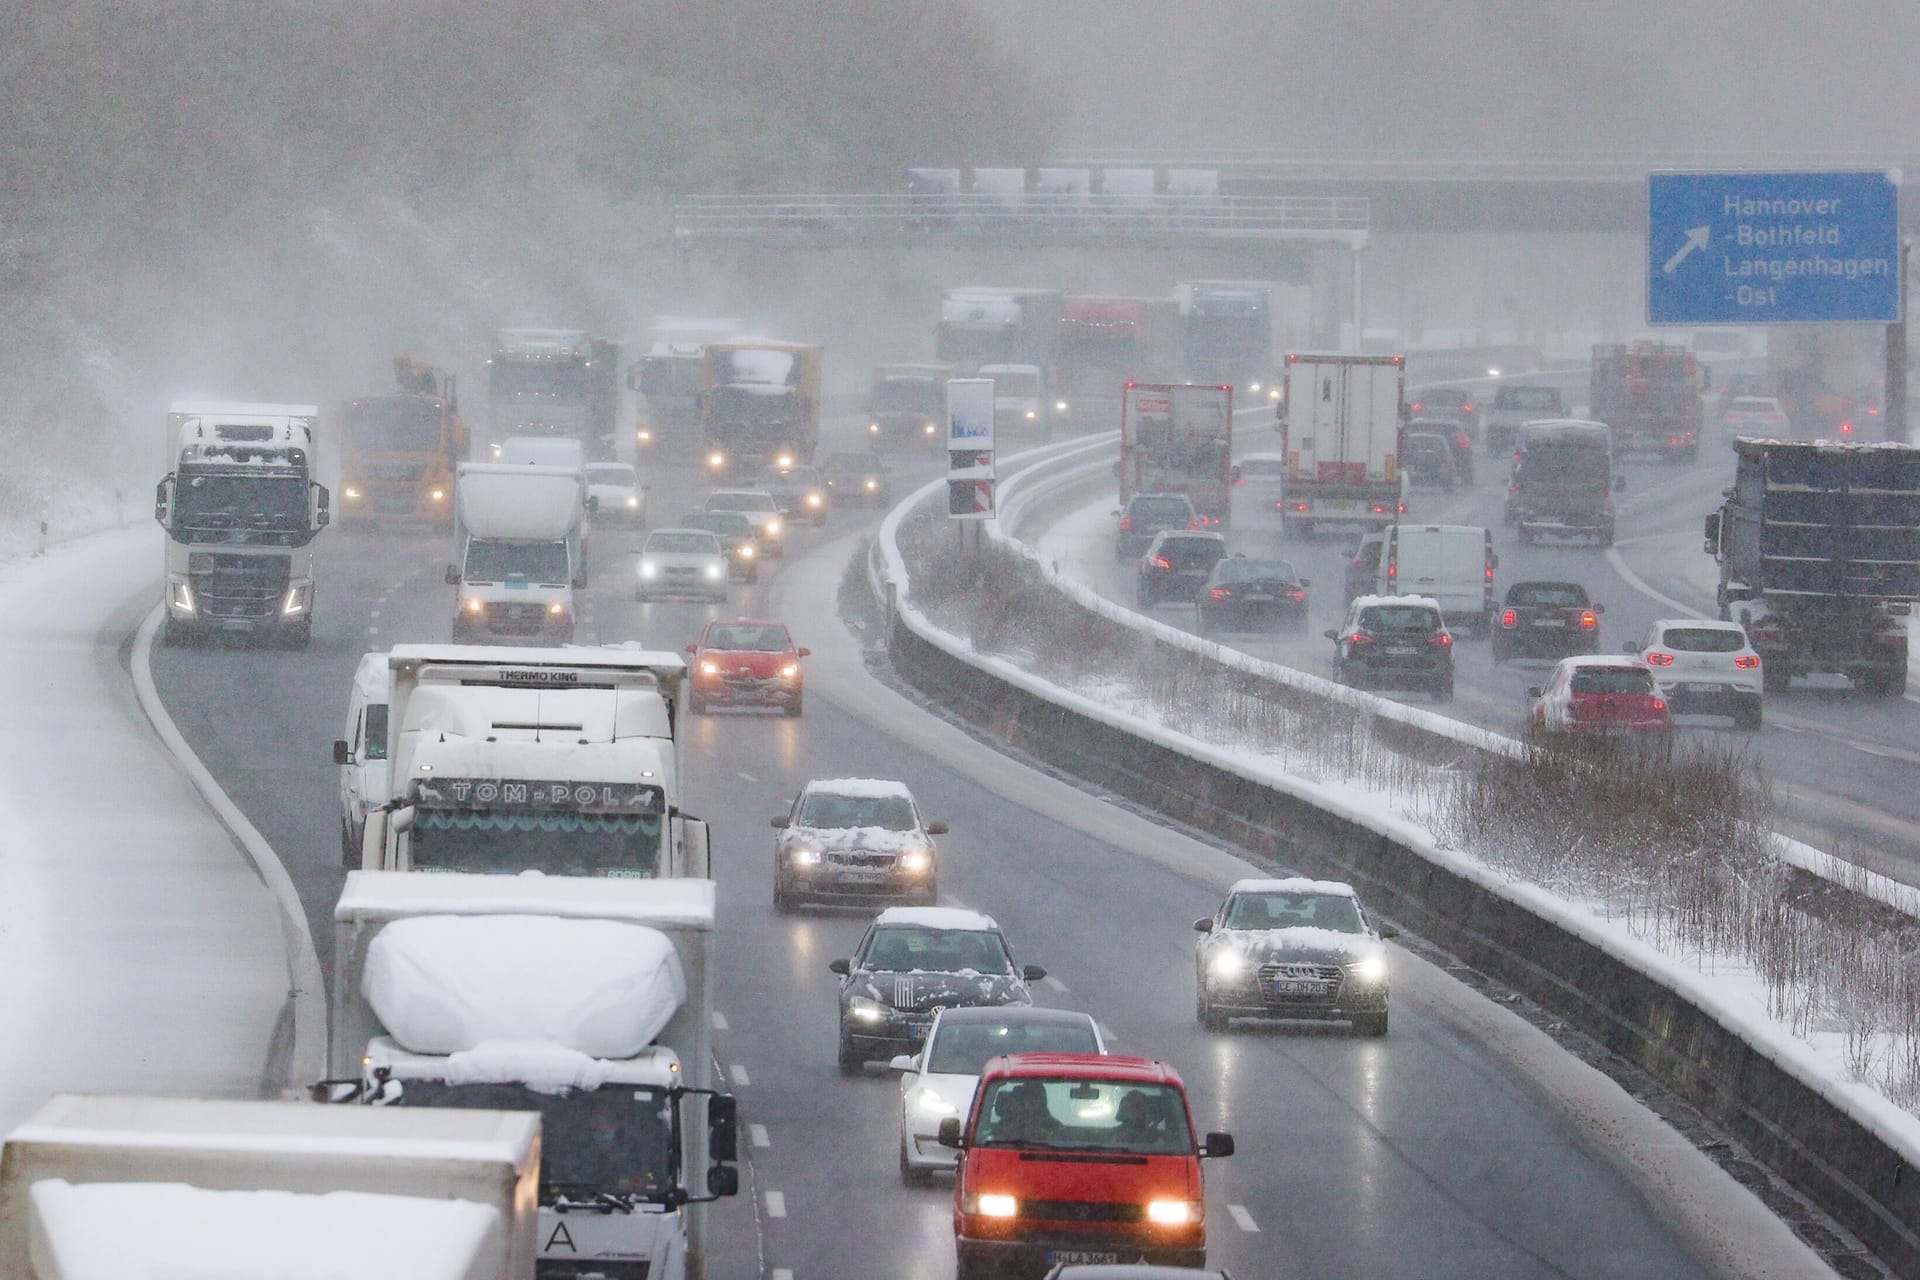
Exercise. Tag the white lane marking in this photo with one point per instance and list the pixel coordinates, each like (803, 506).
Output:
(781, 1273)
(1055, 983)
(747, 776)
(776, 1206)
(372, 632)
(1242, 1218)
(739, 1073)
(719, 1020)
(757, 1135)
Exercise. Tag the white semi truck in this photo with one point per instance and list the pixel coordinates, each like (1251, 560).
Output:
(99, 1186)
(520, 553)
(587, 1001)
(504, 760)
(241, 509)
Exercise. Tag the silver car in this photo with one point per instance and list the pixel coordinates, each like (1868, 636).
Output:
(681, 563)
(854, 840)
(939, 1081)
(758, 506)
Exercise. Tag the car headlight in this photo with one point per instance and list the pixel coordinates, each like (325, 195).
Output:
(915, 860)
(1031, 415)
(633, 502)
(476, 605)
(871, 484)
(789, 671)
(183, 596)
(716, 571)
(644, 435)
(1174, 1213)
(814, 499)
(746, 551)
(996, 1205)
(784, 461)
(867, 1010)
(773, 528)
(1059, 406)
(804, 855)
(438, 495)
(873, 428)
(1253, 386)
(352, 492)
(558, 608)
(709, 669)
(928, 429)
(1371, 970)
(1273, 393)
(716, 460)
(1227, 963)
(648, 569)
(930, 1103)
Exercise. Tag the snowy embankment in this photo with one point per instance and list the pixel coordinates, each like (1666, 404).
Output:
(140, 948)
(1795, 1033)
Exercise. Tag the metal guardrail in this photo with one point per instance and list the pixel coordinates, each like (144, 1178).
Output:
(1022, 218)
(1459, 166)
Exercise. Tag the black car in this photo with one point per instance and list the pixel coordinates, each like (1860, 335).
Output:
(1427, 460)
(1176, 566)
(1457, 438)
(738, 535)
(913, 962)
(1450, 404)
(1145, 515)
(1394, 642)
(1243, 592)
(1546, 620)
(799, 491)
(857, 479)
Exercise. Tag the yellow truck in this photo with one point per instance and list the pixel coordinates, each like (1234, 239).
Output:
(759, 404)
(398, 453)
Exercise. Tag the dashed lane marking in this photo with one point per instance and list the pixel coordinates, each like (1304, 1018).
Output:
(781, 1273)
(757, 1135)
(1243, 1219)
(776, 1206)
(719, 1020)
(739, 1073)
(748, 777)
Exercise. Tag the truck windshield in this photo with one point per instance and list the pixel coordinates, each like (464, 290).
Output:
(670, 376)
(749, 407)
(905, 395)
(1021, 386)
(1084, 1115)
(1229, 333)
(972, 346)
(216, 506)
(396, 426)
(509, 378)
(560, 843)
(617, 1139)
(490, 561)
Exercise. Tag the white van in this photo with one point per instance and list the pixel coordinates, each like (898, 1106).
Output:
(362, 753)
(1453, 563)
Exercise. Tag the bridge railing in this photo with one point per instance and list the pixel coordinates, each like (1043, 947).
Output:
(1022, 218)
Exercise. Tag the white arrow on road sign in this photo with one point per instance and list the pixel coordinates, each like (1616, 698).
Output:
(1696, 239)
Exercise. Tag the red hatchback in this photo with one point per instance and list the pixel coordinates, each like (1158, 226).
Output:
(746, 662)
(1603, 696)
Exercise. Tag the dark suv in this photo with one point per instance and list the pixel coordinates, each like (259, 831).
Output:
(1394, 642)
(1176, 566)
(1546, 620)
(1145, 515)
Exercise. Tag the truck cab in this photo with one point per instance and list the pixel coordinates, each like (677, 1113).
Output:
(760, 404)
(906, 406)
(521, 555)
(1078, 1158)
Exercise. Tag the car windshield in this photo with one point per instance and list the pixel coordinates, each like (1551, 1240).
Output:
(828, 809)
(1238, 569)
(682, 542)
(489, 561)
(734, 500)
(729, 524)
(1084, 1115)
(1160, 510)
(1547, 593)
(964, 1048)
(1704, 639)
(616, 473)
(1399, 619)
(1275, 910)
(1612, 680)
(905, 948)
(759, 637)
(1191, 553)
(1528, 399)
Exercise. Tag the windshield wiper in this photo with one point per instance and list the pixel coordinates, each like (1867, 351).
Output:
(594, 1200)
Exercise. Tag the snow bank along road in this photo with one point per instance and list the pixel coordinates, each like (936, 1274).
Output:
(1463, 1145)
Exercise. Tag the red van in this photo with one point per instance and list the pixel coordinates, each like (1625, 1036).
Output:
(1074, 1157)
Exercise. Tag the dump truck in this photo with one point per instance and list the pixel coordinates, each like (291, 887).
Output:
(1819, 551)
(398, 452)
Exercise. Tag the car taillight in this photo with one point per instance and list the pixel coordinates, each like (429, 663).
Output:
(1126, 524)
(1441, 641)
(1659, 659)
(1207, 520)
(1460, 439)
(1747, 661)
(1466, 408)
(1403, 508)
(1659, 704)
(1302, 506)
(1393, 571)
(1489, 573)
(1416, 406)
(1193, 524)
(1379, 508)
(1220, 593)
(1510, 619)
(1161, 562)
(1297, 596)
(1846, 428)
(1359, 638)
(1587, 621)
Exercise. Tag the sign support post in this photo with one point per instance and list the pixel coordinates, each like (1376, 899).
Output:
(1896, 406)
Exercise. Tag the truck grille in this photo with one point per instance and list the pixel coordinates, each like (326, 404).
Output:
(516, 619)
(232, 586)
(1082, 1211)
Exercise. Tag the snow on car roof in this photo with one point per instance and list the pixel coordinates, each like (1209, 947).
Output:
(397, 894)
(1604, 660)
(131, 1230)
(451, 984)
(937, 918)
(1705, 624)
(865, 788)
(1366, 602)
(1292, 884)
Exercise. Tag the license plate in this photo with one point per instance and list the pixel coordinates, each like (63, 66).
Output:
(1399, 648)
(1258, 597)
(1549, 622)
(1298, 987)
(1066, 1257)
(1700, 688)
(1336, 505)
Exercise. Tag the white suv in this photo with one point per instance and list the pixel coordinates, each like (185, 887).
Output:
(1703, 665)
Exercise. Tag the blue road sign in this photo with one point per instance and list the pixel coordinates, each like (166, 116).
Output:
(1773, 248)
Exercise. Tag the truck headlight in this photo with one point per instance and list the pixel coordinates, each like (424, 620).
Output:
(996, 1205)
(930, 1103)
(1059, 406)
(648, 569)
(644, 435)
(1228, 964)
(784, 461)
(1173, 1213)
(871, 484)
(1031, 415)
(558, 608)
(746, 551)
(716, 460)
(928, 429)
(352, 492)
(633, 502)
(873, 428)
(438, 495)
(1371, 970)
(182, 596)
(867, 1010)
(474, 604)
(915, 861)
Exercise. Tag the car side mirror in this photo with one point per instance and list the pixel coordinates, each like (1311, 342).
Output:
(804, 652)
(904, 1062)
(936, 828)
(1203, 925)
(949, 1135)
(1619, 484)
(1306, 582)
(780, 824)
(1533, 691)
(453, 575)
(841, 967)
(1387, 931)
(1599, 609)
(1218, 1146)
(593, 503)
(1032, 972)
(1331, 635)
(693, 648)
(342, 753)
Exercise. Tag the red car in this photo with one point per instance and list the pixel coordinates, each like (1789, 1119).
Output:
(1601, 696)
(746, 662)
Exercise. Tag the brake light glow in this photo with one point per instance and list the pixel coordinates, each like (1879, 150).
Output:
(1193, 524)
(1220, 593)
(1126, 524)
(1747, 661)
(1587, 621)
(1161, 562)
(1846, 428)
(1297, 596)
(1659, 659)
(1441, 641)
(1510, 619)
(1403, 508)
(1359, 638)
(1302, 506)
(1489, 573)
(1659, 704)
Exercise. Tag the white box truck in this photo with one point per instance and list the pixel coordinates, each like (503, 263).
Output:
(519, 553)
(587, 1001)
(132, 1188)
(241, 509)
(565, 761)
(1340, 421)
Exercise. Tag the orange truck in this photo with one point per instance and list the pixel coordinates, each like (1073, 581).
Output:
(399, 452)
